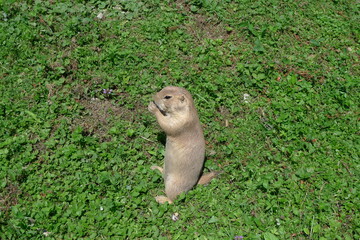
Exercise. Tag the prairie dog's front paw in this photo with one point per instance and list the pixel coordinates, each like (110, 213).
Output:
(152, 107)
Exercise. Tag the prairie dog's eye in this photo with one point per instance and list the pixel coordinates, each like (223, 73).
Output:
(168, 97)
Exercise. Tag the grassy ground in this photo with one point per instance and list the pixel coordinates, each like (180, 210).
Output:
(77, 141)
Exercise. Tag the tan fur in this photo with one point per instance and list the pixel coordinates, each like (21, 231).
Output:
(185, 145)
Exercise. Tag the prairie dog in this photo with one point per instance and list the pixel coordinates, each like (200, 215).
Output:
(185, 144)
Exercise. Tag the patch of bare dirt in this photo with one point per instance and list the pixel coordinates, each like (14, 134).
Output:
(207, 27)
(203, 26)
(98, 114)
(9, 197)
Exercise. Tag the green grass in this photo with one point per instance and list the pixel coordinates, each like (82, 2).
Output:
(75, 161)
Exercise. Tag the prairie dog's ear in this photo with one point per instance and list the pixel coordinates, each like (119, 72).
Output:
(182, 98)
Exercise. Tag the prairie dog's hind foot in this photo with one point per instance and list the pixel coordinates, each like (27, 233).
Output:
(157, 168)
(206, 178)
(163, 199)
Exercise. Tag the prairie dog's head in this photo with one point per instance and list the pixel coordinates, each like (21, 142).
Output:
(173, 101)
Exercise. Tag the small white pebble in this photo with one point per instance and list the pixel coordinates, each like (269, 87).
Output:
(100, 16)
(278, 222)
(175, 217)
(46, 234)
(246, 98)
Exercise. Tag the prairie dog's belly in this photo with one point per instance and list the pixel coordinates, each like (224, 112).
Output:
(184, 158)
